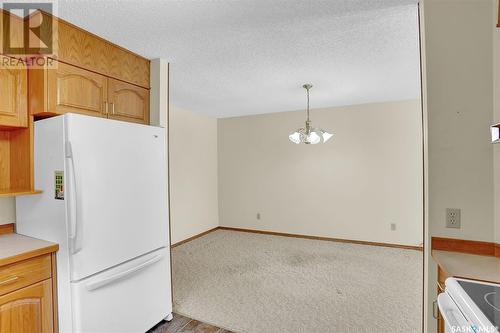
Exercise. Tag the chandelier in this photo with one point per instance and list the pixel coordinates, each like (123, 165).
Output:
(309, 135)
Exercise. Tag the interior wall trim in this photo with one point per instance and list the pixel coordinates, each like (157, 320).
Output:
(329, 239)
(193, 237)
(273, 233)
(6, 228)
(466, 246)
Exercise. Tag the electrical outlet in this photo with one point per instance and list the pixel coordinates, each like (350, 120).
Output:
(453, 216)
(393, 226)
(258, 216)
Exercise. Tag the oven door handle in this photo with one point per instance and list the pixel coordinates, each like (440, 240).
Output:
(452, 316)
(435, 309)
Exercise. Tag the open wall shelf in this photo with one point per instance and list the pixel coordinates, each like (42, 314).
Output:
(18, 192)
(16, 161)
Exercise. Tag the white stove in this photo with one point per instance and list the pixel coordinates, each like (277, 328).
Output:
(470, 306)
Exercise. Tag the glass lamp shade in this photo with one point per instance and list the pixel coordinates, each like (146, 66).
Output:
(295, 137)
(327, 136)
(315, 136)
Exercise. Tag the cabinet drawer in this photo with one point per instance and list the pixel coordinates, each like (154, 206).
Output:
(24, 273)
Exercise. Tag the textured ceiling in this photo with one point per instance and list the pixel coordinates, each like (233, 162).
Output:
(231, 58)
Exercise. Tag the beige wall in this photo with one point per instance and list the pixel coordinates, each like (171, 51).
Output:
(458, 102)
(354, 187)
(460, 107)
(496, 118)
(7, 210)
(193, 174)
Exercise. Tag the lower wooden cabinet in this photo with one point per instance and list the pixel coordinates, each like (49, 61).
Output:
(27, 310)
(27, 301)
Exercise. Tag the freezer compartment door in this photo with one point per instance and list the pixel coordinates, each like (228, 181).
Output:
(132, 297)
(116, 192)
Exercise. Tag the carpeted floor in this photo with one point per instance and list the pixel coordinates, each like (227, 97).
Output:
(258, 283)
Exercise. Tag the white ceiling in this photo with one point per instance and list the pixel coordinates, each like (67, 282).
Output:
(231, 58)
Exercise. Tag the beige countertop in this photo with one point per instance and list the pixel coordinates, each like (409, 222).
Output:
(468, 266)
(15, 247)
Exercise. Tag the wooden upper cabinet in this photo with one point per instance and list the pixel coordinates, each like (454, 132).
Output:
(90, 76)
(67, 89)
(13, 95)
(80, 48)
(128, 102)
(28, 310)
(16, 35)
(72, 89)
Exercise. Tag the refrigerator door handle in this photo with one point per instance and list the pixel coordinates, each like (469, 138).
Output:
(73, 217)
(110, 279)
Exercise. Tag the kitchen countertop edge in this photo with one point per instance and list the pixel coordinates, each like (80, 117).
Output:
(15, 248)
(468, 266)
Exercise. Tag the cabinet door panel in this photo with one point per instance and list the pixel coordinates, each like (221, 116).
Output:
(128, 102)
(76, 90)
(27, 310)
(14, 96)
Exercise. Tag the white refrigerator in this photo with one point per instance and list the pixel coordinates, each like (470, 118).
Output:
(105, 202)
